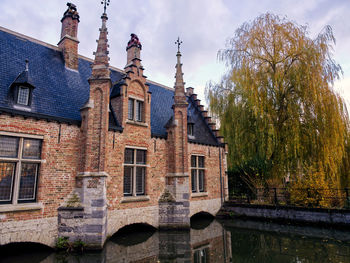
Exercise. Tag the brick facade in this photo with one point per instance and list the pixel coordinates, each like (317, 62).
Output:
(82, 169)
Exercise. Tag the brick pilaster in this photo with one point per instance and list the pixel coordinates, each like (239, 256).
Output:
(91, 227)
(174, 211)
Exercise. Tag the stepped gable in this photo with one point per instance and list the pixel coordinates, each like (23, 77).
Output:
(60, 92)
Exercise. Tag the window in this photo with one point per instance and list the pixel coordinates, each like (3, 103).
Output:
(131, 109)
(134, 172)
(190, 129)
(19, 168)
(139, 108)
(197, 173)
(135, 110)
(23, 96)
(201, 255)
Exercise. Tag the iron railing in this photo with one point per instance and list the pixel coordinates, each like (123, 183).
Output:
(299, 197)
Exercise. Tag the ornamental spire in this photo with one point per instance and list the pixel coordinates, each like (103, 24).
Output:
(101, 62)
(180, 97)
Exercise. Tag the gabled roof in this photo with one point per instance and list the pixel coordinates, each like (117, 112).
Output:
(60, 92)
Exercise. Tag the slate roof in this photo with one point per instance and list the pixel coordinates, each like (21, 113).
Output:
(60, 92)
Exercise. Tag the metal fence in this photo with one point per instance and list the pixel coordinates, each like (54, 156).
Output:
(299, 197)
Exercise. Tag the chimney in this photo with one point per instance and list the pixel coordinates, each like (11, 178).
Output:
(69, 41)
(133, 51)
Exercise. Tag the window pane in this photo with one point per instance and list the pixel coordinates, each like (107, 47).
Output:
(31, 148)
(140, 180)
(128, 172)
(140, 156)
(23, 96)
(201, 180)
(131, 109)
(193, 161)
(8, 146)
(7, 171)
(194, 180)
(190, 129)
(139, 108)
(200, 161)
(28, 180)
(129, 156)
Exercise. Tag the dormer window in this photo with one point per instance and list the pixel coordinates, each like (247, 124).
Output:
(135, 110)
(190, 129)
(21, 89)
(23, 96)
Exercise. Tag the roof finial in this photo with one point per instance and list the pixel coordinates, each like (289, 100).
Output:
(178, 43)
(27, 64)
(105, 3)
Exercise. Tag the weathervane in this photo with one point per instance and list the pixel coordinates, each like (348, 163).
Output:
(105, 3)
(178, 43)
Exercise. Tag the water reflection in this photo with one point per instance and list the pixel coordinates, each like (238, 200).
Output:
(268, 242)
(213, 242)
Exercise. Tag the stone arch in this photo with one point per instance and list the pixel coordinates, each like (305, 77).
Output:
(20, 239)
(211, 206)
(118, 219)
(202, 214)
(10, 252)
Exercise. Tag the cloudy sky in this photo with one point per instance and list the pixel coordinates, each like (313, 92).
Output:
(203, 25)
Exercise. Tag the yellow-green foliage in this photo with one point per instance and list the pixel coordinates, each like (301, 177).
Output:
(313, 190)
(277, 104)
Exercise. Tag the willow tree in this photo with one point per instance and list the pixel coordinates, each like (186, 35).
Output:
(276, 104)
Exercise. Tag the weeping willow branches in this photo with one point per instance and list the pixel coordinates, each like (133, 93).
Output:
(276, 103)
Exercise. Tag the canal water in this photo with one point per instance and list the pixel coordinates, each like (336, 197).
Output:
(208, 241)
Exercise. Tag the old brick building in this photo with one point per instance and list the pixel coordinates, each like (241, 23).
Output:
(86, 148)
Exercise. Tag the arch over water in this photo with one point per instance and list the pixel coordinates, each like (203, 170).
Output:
(35, 252)
(201, 220)
(133, 234)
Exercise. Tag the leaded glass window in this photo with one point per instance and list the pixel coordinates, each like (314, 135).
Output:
(19, 168)
(23, 96)
(134, 172)
(197, 174)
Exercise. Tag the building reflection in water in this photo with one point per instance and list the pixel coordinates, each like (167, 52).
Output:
(211, 244)
(242, 241)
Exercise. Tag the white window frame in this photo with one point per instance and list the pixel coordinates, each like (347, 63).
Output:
(134, 165)
(19, 160)
(135, 109)
(21, 88)
(196, 170)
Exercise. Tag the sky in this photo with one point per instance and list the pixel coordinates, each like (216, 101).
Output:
(204, 26)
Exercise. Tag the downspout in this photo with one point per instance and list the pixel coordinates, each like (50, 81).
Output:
(221, 183)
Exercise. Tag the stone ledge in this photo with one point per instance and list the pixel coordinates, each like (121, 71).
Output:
(201, 194)
(177, 175)
(92, 174)
(137, 123)
(70, 208)
(128, 199)
(20, 207)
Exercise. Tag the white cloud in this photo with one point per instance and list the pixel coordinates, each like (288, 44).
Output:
(204, 26)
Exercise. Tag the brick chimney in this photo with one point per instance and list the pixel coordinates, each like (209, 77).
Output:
(69, 41)
(133, 50)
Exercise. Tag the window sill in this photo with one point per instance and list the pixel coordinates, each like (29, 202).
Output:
(200, 194)
(20, 207)
(129, 199)
(137, 123)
